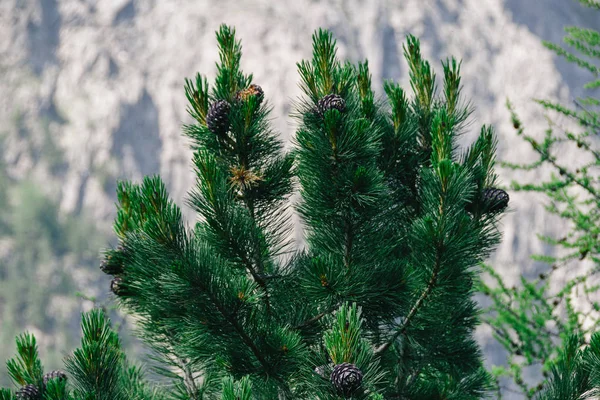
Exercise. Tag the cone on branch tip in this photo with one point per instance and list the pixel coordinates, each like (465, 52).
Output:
(330, 102)
(112, 264)
(217, 119)
(60, 375)
(116, 286)
(28, 392)
(346, 378)
(252, 90)
(494, 200)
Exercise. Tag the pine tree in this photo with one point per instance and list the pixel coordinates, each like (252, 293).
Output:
(377, 305)
(561, 302)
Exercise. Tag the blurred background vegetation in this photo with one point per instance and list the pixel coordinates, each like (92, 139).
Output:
(45, 256)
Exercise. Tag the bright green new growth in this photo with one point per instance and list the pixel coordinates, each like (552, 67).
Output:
(26, 368)
(394, 229)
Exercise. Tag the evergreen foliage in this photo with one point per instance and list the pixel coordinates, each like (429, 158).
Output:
(561, 302)
(395, 230)
(96, 370)
(576, 372)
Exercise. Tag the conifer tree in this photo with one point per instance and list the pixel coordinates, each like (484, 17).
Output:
(377, 305)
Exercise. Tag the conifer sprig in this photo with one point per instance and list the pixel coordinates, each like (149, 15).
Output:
(230, 78)
(197, 95)
(26, 368)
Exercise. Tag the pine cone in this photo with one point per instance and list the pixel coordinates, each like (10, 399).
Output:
(112, 264)
(116, 286)
(54, 375)
(346, 378)
(29, 392)
(329, 102)
(217, 119)
(252, 90)
(494, 200)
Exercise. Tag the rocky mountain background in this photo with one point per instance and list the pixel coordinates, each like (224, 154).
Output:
(92, 91)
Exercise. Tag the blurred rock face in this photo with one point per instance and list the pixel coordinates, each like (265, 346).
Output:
(92, 91)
